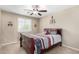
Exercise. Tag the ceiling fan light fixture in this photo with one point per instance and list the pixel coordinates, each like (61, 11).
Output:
(35, 12)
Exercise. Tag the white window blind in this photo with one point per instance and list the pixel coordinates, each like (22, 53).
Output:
(24, 25)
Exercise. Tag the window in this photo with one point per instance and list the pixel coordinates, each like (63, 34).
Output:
(24, 25)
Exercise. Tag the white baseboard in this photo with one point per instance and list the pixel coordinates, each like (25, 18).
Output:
(8, 44)
(76, 49)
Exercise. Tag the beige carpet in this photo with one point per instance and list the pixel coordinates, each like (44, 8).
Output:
(15, 49)
(62, 50)
(12, 49)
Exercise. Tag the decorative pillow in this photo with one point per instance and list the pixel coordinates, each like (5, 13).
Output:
(47, 32)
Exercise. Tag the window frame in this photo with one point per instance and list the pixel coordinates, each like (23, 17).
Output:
(25, 20)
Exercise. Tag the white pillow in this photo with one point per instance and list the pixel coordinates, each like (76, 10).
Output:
(53, 32)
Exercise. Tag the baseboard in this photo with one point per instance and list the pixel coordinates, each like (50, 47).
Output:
(76, 49)
(8, 44)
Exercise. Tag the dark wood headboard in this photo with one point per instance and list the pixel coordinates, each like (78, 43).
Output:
(48, 30)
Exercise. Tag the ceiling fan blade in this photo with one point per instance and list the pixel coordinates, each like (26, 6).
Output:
(39, 14)
(42, 10)
(31, 14)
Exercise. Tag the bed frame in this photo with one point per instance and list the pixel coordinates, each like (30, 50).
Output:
(27, 43)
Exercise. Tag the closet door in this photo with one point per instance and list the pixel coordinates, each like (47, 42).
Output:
(9, 28)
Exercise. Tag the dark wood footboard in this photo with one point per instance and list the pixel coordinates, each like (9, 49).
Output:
(27, 44)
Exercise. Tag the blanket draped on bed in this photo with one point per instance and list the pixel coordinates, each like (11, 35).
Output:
(43, 43)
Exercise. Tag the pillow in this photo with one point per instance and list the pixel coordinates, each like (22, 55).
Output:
(53, 32)
(47, 32)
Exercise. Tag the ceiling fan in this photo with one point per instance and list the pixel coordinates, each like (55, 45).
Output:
(35, 10)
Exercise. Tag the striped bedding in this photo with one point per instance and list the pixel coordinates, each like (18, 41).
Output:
(44, 41)
(49, 40)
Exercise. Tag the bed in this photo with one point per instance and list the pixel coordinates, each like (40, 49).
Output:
(40, 43)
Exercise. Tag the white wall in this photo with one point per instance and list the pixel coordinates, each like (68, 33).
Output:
(0, 27)
(68, 20)
(35, 29)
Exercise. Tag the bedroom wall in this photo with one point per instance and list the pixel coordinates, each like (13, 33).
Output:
(35, 29)
(10, 34)
(68, 20)
(0, 26)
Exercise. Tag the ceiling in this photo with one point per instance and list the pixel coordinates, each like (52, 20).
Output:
(19, 9)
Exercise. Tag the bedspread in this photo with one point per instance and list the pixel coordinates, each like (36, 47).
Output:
(43, 41)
